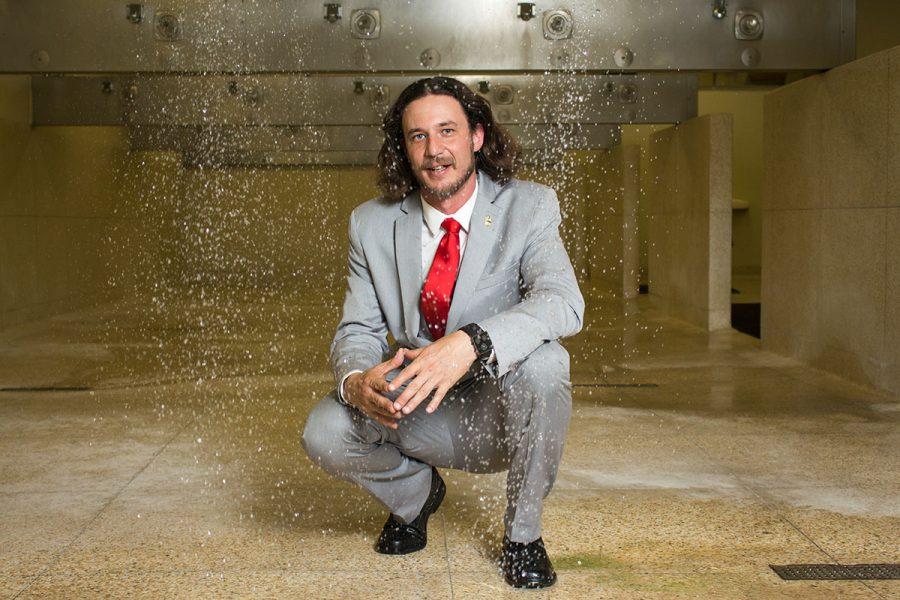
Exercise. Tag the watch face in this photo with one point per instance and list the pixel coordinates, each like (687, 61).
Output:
(480, 340)
(484, 349)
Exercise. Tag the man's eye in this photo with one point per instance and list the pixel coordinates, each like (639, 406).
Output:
(418, 136)
(448, 129)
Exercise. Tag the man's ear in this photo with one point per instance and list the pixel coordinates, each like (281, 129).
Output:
(477, 137)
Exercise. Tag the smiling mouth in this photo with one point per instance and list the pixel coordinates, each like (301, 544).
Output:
(438, 168)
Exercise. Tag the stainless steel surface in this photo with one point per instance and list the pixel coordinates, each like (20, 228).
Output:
(558, 24)
(720, 9)
(135, 13)
(255, 158)
(748, 25)
(525, 11)
(347, 100)
(333, 12)
(234, 36)
(365, 23)
(345, 138)
(345, 145)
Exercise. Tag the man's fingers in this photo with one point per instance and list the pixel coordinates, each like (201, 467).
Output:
(435, 402)
(379, 385)
(412, 387)
(387, 422)
(384, 405)
(395, 361)
(410, 370)
(387, 407)
(420, 395)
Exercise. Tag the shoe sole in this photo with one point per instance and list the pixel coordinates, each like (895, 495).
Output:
(531, 585)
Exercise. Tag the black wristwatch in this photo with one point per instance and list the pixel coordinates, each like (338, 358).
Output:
(480, 340)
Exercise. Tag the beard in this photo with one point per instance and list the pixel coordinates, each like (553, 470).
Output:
(453, 186)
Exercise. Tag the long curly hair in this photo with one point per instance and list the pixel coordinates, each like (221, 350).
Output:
(499, 157)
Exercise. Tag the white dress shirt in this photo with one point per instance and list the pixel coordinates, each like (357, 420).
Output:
(431, 238)
(432, 232)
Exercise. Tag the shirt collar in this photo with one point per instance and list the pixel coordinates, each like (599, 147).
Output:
(433, 217)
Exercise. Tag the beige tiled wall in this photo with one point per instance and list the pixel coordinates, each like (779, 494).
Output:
(283, 228)
(610, 193)
(831, 221)
(599, 192)
(58, 207)
(631, 195)
(589, 184)
(604, 186)
(688, 170)
(83, 220)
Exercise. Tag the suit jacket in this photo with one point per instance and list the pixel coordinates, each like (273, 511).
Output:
(515, 278)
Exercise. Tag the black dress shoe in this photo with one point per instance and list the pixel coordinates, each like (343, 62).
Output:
(403, 538)
(526, 565)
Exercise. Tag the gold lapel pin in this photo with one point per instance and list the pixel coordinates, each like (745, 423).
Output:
(488, 221)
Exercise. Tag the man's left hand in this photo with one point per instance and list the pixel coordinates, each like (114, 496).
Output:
(437, 366)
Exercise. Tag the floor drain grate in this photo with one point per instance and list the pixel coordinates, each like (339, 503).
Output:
(618, 385)
(826, 571)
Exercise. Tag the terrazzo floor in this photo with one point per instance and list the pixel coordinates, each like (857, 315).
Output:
(150, 448)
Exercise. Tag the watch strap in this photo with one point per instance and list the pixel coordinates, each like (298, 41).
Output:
(481, 341)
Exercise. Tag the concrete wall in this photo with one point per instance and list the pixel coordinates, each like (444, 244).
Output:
(83, 220)
(609, 186)
(276, 228)
(831, 221)
(689, 211)
(286, 228)
(746, 110)
(59, 210)
(598, 192)
(876, 26)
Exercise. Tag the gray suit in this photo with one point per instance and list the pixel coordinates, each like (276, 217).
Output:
(516, 281)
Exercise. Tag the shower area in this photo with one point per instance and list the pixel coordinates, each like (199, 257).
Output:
(176, 179)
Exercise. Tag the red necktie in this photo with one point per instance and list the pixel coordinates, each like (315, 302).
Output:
(438, 289)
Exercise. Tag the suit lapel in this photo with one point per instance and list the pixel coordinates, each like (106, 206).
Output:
(478, 247)
(408, 253)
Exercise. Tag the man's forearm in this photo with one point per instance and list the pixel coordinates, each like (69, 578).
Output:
(532, 326)
(355, 355)
(553, 306)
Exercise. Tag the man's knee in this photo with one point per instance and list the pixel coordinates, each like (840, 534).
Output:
(327, 431)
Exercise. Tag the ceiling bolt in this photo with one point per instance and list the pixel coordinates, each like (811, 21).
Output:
(526, 11)
(333, 12)
(719, 9)
(135, 13)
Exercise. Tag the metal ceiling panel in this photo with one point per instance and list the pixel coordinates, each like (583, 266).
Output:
(337, 145)
(346, 100)
(260, 36)
(210, 140)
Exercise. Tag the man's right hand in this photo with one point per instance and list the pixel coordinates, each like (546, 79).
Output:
(362, 390)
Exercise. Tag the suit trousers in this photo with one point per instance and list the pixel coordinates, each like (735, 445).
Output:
(483, 425)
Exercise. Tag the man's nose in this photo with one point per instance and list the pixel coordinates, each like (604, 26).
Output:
(433, 147)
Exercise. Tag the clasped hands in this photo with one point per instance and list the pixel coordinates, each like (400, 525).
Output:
(435, 367)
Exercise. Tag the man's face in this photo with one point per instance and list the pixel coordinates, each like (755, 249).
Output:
(439, 144)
